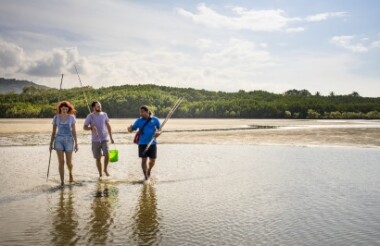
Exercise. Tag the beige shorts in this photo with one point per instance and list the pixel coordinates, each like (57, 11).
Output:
(100, 149)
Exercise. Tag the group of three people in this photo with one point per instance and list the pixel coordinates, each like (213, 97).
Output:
(64, 137)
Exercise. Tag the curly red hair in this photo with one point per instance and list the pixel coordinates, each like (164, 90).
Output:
(66, 104)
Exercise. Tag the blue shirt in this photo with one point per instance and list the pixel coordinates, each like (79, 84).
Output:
(64, 127)
(149, 130)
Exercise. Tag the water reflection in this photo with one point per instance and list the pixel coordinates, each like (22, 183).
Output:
(146, 221)
(101, 218)
(65, 220)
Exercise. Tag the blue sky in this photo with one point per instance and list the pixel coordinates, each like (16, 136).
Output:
(273, 45)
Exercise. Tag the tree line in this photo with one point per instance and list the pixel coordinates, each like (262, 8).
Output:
(124, 101)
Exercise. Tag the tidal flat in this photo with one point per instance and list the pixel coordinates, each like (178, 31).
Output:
(216, 182)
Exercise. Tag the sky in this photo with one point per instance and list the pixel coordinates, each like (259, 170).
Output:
(273, 45)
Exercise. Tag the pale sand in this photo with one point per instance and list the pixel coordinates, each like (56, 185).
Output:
(229, 131)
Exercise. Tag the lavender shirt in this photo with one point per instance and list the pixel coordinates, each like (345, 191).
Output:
(99, 121)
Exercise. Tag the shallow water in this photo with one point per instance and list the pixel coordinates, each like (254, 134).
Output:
(199, 195)
(33, 132)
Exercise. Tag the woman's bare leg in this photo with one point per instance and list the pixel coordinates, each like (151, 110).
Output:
(61, 166)
(69, 164)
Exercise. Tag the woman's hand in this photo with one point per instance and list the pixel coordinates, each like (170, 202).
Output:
(76, 148)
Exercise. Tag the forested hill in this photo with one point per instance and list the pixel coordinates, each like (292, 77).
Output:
(124, 101)
(16, 86)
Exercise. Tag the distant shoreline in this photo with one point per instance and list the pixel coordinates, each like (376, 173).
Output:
(360, 133)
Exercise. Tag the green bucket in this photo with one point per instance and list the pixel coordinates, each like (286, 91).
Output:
(114, 155)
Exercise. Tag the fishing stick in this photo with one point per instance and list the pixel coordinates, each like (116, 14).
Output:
(85, 98)
(81, 85)
(171, 112)
(47, 175)
(60, 86)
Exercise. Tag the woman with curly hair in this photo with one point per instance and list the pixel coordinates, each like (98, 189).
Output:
(65, 140)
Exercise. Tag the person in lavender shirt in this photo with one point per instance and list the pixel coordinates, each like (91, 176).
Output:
(98, 123)
(65, 140)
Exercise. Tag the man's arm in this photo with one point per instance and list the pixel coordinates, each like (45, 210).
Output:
(109, 131)
(133, 127)
(130, 129)
(87, 124)
(158, 129)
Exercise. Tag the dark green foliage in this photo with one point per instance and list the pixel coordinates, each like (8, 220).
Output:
(124, 101)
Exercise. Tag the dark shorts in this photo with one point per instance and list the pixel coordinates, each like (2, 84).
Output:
(151, 152)
(99, 149)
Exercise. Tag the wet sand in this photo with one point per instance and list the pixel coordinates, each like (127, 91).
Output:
(247, 182)
(199, 194)
(362, 133)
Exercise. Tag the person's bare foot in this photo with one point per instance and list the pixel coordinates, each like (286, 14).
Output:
(106, 172)
(71, 178)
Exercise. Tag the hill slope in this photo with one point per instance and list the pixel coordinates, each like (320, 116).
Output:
(16, 86)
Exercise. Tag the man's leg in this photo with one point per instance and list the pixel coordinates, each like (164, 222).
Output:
(151, 164)
(96, 151)
(144, 167)
(99, 166)
(105, 152)
(106, 161)
(152, 153)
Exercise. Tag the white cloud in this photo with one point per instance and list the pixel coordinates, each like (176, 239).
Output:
(39, 64)
(350, 43)
(239, 53)
(320, 72)
(264, 45)
(375, 44)
(11, 55)
(228, 66)
(133, 42)
(324, 16)
(51, 63)
(347, 43)
(254, 20)
(203, 43)
(214, 67)
(295, 29)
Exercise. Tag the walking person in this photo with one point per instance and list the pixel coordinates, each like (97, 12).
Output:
(98, 123)
(66, 139)
(148, 126)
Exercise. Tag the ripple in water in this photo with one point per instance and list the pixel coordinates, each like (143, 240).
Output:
(199, 194)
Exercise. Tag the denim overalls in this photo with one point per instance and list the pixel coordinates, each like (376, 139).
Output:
(64, 140)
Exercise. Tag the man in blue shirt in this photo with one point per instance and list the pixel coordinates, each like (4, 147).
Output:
(149, 126)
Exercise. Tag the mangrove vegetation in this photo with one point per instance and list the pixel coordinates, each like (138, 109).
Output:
(124, 101)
